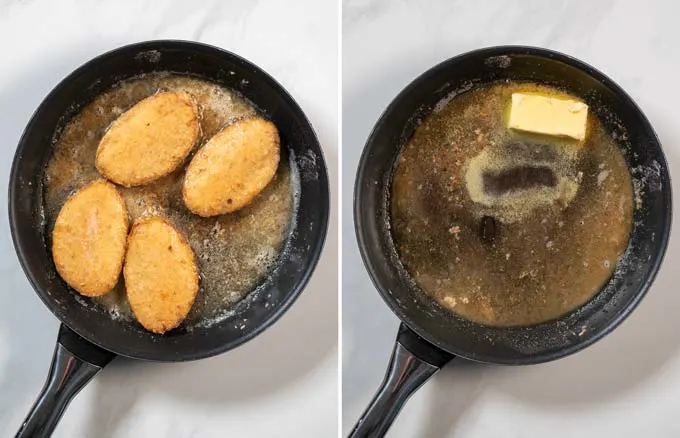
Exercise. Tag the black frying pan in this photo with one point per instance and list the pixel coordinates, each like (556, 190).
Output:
(430, 336)
(89, 338)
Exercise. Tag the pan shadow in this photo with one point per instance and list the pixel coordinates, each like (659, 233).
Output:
(635, 353)
(454, 390)
(110, 408)
(302, 341)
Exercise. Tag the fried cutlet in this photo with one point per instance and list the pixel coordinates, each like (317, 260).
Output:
(232, 168)
(149, 140)
(89, 238)
(161, 276)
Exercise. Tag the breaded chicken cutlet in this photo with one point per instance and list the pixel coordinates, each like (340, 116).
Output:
(161, 276)
(232, 168)
(149, 140)
(89, 238)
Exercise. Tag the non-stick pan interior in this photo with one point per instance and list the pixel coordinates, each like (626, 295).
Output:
(270, 299)
(634, 272)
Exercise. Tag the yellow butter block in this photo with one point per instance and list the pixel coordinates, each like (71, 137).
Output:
(548, 115)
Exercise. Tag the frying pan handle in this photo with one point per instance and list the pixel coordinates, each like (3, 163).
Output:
(413, 362)
(74, 364)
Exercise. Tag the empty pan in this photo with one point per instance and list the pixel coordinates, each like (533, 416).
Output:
(431, 336)
(89, 338)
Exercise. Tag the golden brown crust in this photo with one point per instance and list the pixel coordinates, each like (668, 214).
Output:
(149, 140)
(232, 168)
(89, 239)
(161, 276)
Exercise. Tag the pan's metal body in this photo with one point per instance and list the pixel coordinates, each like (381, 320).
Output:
(89, 337)
(434, 335)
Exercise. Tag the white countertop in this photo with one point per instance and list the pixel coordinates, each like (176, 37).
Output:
(628, 384)
(281, 384)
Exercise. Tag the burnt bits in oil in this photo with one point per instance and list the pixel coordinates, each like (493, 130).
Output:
(234, 252)
(488, 227)
(518, 178)
(505, 229)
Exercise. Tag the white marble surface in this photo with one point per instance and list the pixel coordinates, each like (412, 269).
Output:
(278, 385)
(627, 385)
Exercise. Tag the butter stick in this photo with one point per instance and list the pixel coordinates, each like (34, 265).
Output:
(548, 115)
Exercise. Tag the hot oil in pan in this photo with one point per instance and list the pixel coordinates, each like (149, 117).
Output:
(522, 262)
(234, 251)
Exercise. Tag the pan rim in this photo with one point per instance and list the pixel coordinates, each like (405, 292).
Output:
(315, 250)
(363, 243)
